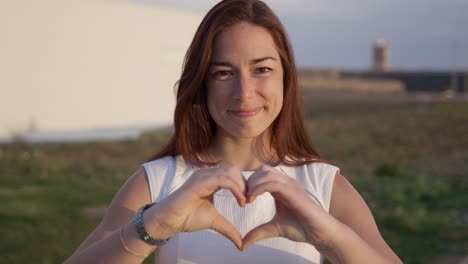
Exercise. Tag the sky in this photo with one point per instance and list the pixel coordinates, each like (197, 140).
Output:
(422, 34)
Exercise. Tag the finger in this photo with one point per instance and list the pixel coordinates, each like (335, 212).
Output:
(261, 232)
(288, 195)
(239, 193)
(262, 176)
(211, 181)
(240, 196)
(235, 175)
(230, 184)
(225, 228)
(261, 172)
(257, 177)
(269, 186)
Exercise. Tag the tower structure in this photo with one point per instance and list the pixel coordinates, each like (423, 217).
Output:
(381, 55)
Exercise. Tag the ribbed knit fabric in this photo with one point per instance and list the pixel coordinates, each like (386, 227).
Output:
(205, 247)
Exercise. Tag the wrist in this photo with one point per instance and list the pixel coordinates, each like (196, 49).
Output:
(141, 227)
(154, 224)
(330, 237)
(346, 246)
(132, 243)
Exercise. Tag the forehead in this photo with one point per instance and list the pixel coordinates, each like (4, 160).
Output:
(244, 41)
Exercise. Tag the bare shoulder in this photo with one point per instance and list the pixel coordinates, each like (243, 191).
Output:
(131, 196)
(348, 206)
(346, 203)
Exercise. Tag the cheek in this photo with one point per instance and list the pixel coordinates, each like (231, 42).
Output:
(217, 96)
(215, 89)
(273, 90)
(280, 89)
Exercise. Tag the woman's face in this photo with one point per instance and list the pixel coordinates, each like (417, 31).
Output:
(244, 81)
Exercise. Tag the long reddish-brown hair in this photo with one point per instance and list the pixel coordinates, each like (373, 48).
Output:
(194, 127)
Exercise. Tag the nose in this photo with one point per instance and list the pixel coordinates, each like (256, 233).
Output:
(244, 87)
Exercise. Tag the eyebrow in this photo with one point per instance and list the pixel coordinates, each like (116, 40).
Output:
(252, 62)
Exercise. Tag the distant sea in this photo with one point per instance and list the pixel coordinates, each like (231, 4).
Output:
(100, 134)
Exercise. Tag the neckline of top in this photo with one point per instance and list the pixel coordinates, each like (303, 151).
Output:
(180, 158)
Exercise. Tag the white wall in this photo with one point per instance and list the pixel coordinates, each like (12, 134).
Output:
(85, 64)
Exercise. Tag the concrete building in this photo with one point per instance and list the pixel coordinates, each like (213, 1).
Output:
(82, 65)
(383, 79)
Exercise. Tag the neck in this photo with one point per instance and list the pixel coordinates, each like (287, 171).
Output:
(244, 153)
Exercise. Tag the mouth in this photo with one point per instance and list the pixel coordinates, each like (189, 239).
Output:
(243, 113)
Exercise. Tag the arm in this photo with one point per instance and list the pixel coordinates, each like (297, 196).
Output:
(103, 244)
(348, 236)
(190, 208)
(357, 227)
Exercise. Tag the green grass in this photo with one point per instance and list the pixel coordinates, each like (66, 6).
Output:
(420, 215)
(40, 218)
(408, 160)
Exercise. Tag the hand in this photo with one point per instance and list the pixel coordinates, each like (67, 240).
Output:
(297, 218)
(191, 208)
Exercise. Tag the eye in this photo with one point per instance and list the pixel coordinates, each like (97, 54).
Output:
(222, 74)
(263, 70)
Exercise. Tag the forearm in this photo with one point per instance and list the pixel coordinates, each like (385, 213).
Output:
(348, 247)
(111, 250)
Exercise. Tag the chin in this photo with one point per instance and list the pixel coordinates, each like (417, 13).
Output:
(247, 133)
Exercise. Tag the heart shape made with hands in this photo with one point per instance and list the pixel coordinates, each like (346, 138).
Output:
(286, 194)
(258, 209)
(192, 207)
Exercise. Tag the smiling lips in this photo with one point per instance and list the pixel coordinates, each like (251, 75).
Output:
(246, 112)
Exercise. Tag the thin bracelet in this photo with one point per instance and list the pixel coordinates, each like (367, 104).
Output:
(127, 249)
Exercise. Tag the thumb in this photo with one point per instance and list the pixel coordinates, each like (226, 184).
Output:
(261, 232)
(225, 228)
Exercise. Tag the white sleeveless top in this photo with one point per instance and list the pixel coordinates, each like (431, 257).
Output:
(167, 174)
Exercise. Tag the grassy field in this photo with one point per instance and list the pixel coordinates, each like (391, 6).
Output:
(407, 155)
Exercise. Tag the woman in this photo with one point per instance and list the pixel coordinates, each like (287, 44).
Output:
(239, 181)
